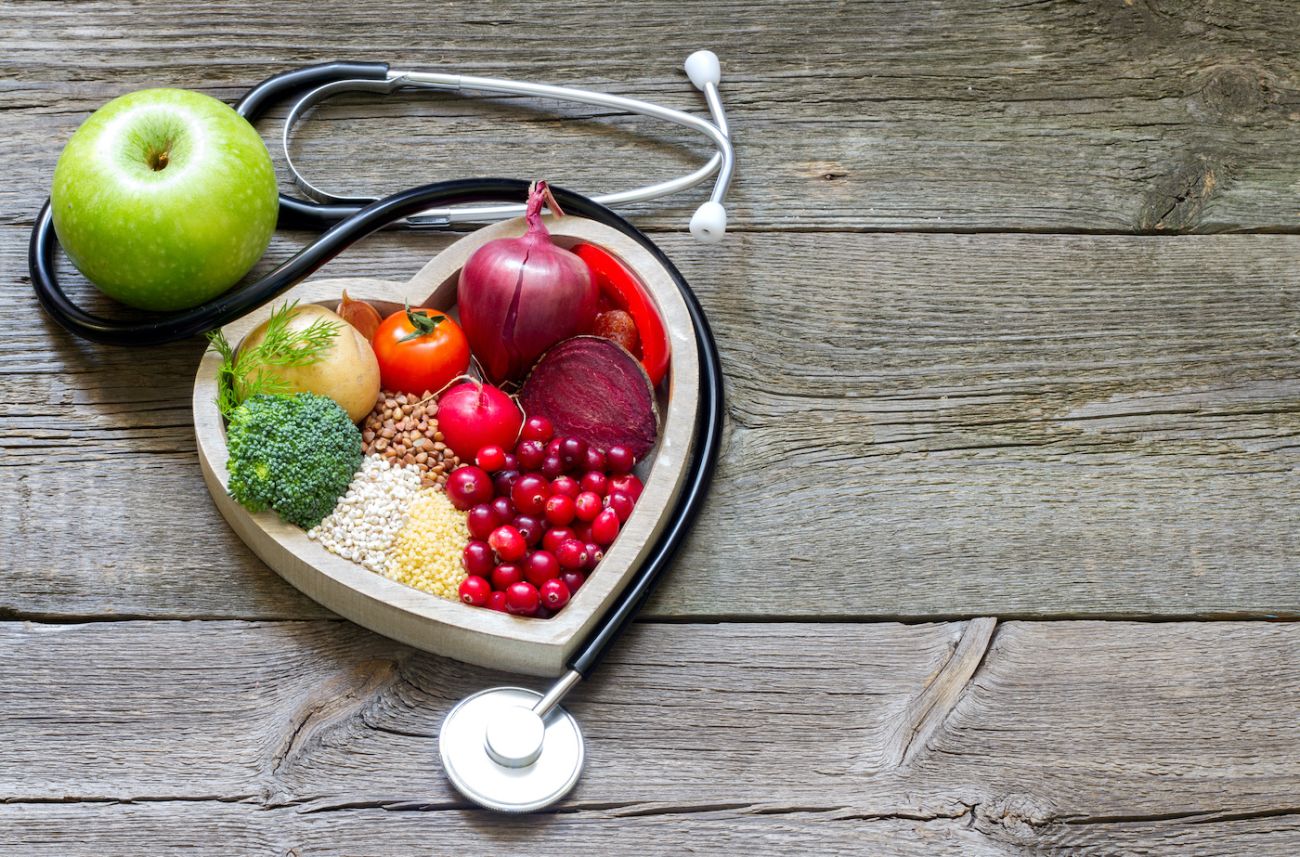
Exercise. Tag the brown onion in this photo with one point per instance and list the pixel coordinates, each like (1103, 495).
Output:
(519, 296)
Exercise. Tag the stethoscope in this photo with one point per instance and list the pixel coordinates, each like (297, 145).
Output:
(506, 748)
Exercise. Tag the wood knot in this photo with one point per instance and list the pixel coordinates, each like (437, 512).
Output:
(1236, 93)
(1176, 200)
(828, 171)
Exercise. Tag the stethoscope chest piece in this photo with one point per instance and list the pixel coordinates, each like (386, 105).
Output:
(499, 753)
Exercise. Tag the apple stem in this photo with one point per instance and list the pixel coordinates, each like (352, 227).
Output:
(158, 159)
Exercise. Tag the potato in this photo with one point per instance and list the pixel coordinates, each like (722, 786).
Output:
(348, 373)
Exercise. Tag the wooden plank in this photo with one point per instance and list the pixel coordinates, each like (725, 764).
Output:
(218, 829)
(317, 736)
(1010, 425)
(990, 115)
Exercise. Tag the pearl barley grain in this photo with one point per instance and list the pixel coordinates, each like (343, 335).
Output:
(368, 517)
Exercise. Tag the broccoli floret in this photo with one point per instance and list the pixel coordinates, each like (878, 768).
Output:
(294, 454)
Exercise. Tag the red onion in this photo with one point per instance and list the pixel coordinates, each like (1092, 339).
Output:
(520, 296)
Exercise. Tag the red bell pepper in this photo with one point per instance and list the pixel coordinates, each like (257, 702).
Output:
(622, 290)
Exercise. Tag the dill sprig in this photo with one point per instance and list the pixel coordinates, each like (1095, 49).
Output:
(251, 372)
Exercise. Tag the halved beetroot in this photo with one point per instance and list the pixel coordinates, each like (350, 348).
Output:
(594, 389)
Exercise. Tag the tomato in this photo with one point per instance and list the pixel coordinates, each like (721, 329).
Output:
(620, 289)
(420, 350)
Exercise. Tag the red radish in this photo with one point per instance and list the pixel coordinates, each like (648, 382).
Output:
(472, 416)
(595, 394)
(520, 296)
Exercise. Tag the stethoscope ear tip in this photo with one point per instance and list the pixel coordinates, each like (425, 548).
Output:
(703, 67)
(709, 223)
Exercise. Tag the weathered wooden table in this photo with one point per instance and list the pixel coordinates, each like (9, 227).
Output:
(1002, 556)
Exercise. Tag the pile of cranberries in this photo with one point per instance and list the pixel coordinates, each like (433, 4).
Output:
(540, 517)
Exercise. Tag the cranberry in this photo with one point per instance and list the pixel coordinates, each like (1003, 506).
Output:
(477, 558)
(475, 591)
(595, 482)
(503, 509)
(505, 574)
(508, 543)
(594, 556)
(552, 466)
(491, 458)
(522, 599)
(530, 527)
(619, 460)
(537, 428)
(497, 601)
(565, 485)
(573, 579)
(595, 460)
(481, 521)
(620, 503)
(542, 613)
(572, 554)
(627, 484)
(553, 448)
(555, 537)
(605, 528)
(582, 530)
(530, 492)
(554, 594)
(468, 485)
(511, 463)
(587, 506)
(530, 454)
(540, 567)
(573, 451)
(560, 509)
(502, 482)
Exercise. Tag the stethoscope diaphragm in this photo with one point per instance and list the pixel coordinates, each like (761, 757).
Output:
(500, 753)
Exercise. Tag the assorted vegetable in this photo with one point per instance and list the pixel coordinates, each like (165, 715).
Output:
(344, 368)
(594, 390)
(473, 415)
(503, 491)
(295, 454)
(627, 311)
(257, 367)
(519, 296)
(420, 350)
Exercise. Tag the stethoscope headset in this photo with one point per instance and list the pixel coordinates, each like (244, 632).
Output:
(508, 749)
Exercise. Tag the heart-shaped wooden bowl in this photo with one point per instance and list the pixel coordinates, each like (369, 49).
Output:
(472, 634)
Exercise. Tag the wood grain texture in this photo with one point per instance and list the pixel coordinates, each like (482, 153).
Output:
(991, 425)
(1163, 116)
(319, 736)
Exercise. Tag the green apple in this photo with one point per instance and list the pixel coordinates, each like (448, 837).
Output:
(164, 198)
